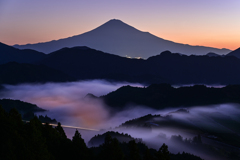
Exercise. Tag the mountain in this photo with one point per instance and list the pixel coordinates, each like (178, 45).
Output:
(22, 107)
(99, 139)
(159, 96)
(14, 73)
(119, 38)
(235, 53)
(211, 54)
(86, 63)
(11, 54)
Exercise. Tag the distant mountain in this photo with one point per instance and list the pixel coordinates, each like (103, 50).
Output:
(159, 96)
(211, 54)
(14, 73)
(22, 107)
(11, 54)
(117, 37)
(85, 63)
(235, 53)
(99, 139)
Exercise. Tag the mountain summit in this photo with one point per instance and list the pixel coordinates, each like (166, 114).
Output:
(115, 25)
(119, 38)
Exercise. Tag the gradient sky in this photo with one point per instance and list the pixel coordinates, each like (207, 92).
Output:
(214, 23)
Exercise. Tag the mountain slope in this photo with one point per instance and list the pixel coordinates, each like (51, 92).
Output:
(210, 54)
(159, 96)
(85, 63)
(119, 38)
(22, 107)
(14, 73)
(235, 53)
(11, 54)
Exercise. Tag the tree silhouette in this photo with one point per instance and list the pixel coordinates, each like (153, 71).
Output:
(79, 150)
(163, 153)
(60, 130)
(134, 151)
(111, 149)
(197, 139)
(147, 155)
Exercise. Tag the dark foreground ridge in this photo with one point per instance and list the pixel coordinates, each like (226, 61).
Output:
(37, 141)
(160, 96)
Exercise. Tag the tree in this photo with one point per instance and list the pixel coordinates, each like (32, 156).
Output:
(111, 149)
(163, 153)
(197, 139)
(147, 155)
(134, 151)
(36, 140)
(60, 130)
(77, 139)
(79, 150)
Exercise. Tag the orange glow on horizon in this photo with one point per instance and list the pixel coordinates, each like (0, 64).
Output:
(196, 40)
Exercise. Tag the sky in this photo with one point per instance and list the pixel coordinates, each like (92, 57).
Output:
(213, 23)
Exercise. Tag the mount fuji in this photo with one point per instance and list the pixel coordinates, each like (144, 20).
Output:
(119, 38)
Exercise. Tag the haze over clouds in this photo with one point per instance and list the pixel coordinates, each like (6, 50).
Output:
(67, 103)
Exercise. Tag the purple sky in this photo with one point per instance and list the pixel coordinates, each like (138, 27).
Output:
(212, 23)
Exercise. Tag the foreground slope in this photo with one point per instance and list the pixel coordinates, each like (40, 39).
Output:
(119, 38)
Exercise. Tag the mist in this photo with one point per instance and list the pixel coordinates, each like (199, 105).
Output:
(68, 104)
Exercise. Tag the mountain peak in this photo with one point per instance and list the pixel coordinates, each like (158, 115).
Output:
(116, 25)
(115, 21)
(117, 37)
(211, 54)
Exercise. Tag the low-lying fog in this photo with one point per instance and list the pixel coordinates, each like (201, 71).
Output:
(66, 102)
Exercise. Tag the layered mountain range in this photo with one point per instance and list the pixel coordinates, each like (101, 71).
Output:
(81, 63)
(119, 38)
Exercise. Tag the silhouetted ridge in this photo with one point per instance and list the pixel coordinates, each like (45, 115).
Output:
(235, 53)
(11, 54)
(15, 73)
(173, 68)
(160, 96)
(81, 47)
(99, 139)
(22, 107)
(166, 53)
(211, 54)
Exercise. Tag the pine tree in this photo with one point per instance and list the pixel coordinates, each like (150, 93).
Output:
(163, 153)
(134, 151)
(147, 155)
(111, 149)
(60, 130)
(79, 150)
